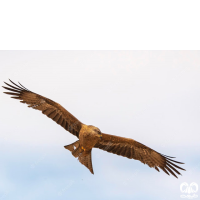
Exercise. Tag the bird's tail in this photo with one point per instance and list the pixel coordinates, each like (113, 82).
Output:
(84, 157)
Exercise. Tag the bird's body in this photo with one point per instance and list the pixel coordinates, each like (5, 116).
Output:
(90, 136)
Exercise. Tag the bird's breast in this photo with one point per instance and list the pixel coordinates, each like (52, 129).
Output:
(87, 138)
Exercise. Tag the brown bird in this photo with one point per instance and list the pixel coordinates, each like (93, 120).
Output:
(90, 136)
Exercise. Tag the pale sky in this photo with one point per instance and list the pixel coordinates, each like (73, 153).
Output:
(150, 96)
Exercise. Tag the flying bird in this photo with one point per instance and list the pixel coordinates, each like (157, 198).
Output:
(90, 136)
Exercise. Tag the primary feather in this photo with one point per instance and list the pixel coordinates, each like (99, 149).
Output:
(48, 107)
(134, 150)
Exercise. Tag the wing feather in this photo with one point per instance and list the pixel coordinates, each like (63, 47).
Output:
(132, 149)
(48, 107)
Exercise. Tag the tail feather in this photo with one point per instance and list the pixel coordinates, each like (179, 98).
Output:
(84, 157)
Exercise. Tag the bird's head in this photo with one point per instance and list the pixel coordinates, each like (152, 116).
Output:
(96, 131)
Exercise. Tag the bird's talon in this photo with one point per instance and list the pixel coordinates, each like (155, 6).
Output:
(83, 148)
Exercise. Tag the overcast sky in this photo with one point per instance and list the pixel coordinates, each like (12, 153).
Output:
(150, 96)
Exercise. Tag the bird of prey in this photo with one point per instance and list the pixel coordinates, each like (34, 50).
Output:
(90, 136)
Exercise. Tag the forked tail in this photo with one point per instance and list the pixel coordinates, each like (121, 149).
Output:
(84, 157)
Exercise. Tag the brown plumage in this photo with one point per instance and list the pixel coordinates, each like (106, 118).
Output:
(90, 136)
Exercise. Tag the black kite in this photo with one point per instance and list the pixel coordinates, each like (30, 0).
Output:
(90, 136)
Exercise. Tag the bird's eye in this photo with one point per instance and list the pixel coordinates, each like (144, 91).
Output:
(99, 132)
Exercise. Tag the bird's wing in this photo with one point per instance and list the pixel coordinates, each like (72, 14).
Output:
(48, 107)
(132, 149)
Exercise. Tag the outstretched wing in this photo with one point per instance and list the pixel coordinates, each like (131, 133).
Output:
(48, 107)
(132, 149)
